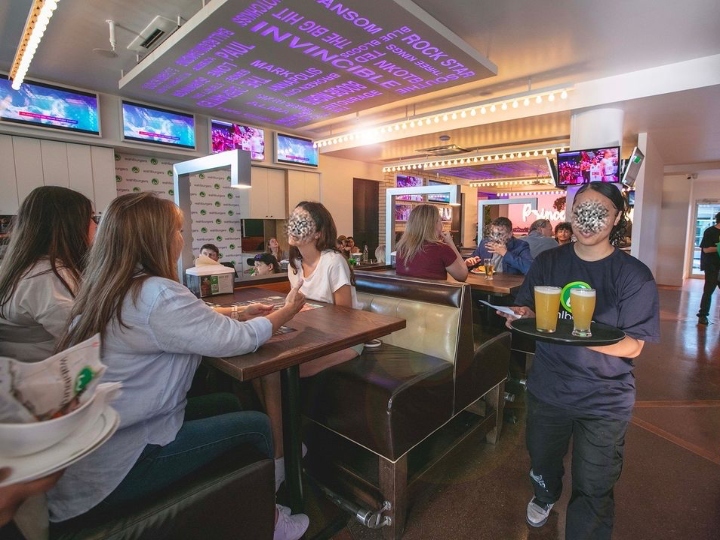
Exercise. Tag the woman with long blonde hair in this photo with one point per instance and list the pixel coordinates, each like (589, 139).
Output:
(425, 250)
(154, 332)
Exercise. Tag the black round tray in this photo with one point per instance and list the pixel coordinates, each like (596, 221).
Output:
(602, 334)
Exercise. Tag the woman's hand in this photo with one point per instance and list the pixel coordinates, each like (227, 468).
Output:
(294, 302)
(446, 237)
(257, 310)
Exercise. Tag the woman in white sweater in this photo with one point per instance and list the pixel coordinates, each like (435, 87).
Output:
(40, 272)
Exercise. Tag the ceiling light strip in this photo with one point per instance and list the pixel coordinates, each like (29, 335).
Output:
(475, 159)
(37, 21)
(373, 134)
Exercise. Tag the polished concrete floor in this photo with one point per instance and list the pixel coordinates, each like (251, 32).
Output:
(670, 485)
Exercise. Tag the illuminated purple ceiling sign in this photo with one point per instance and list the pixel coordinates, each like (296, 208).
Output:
(296, 62)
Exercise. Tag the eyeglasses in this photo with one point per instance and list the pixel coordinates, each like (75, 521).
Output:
(96, 218)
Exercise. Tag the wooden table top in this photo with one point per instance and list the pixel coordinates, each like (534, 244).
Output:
(317, 332)
(500, 285)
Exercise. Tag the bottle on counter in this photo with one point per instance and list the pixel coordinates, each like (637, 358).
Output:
(365, 256)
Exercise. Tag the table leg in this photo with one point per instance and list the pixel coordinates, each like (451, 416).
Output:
(292, 436)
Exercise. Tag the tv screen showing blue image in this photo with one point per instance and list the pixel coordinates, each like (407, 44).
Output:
(295, 151)
(438, 197)
(228, 136)
(143, 123)
(44, 105)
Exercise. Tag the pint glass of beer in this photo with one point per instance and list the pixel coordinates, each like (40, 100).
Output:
(489, 268)
(582, 303)
(547, 306)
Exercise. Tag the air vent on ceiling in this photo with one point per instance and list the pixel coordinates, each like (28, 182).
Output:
(445, 150)
(153, 34)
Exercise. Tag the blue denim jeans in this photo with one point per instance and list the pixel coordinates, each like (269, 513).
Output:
(213, 425)
(597, 459)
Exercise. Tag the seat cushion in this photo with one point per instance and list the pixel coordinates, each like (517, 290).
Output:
(232, 497)
(388, 399)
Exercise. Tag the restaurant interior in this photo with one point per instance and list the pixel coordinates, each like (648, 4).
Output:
(237, 111)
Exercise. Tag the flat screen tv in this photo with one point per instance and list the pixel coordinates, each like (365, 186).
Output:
(148, 124)
(632, 167)
(402, 180)
(293, 150)
(584, 166)
(228, 136)
(552, 169)
(438, 197)
(44, 105)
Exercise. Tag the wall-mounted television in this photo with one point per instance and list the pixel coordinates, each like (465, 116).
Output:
(402, 180)
(552, 169)
(44, 105)
(149, 124)
(632, 167)
(292, 150)
(584, 166)
(438, 197)
(229, 136)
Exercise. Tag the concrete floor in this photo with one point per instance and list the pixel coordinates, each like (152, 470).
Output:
(670, 485)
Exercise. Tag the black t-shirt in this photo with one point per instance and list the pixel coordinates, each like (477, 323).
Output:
(574, 377)
(710, 238)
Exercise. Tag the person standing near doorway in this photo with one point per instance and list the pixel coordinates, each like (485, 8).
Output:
(710, 264)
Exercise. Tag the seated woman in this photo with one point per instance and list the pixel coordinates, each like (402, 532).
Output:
(275, 250)
(324, 275)
(154, 332)
(425, 250)
(264, 264)
(40, 272)
(350, 246)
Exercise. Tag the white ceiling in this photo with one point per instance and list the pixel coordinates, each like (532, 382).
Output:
(541, 42)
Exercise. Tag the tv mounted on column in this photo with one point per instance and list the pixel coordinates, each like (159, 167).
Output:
(592, 165)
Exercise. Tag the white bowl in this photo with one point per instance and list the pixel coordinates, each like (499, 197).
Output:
(23, 439)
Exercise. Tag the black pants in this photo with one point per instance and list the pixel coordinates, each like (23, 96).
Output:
(597, 458)
(712, 280)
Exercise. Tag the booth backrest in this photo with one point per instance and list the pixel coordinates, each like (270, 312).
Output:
(438, 315)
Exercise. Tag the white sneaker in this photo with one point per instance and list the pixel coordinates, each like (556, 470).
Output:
(280, 469)
(538, 513)
(289, 527)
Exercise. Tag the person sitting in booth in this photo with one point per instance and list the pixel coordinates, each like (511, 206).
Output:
(539, 237)
(274, 249)
(563, 233)
(264, 264)
(508, 254)
(350, 246)
(210, 250)
(425, 250)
